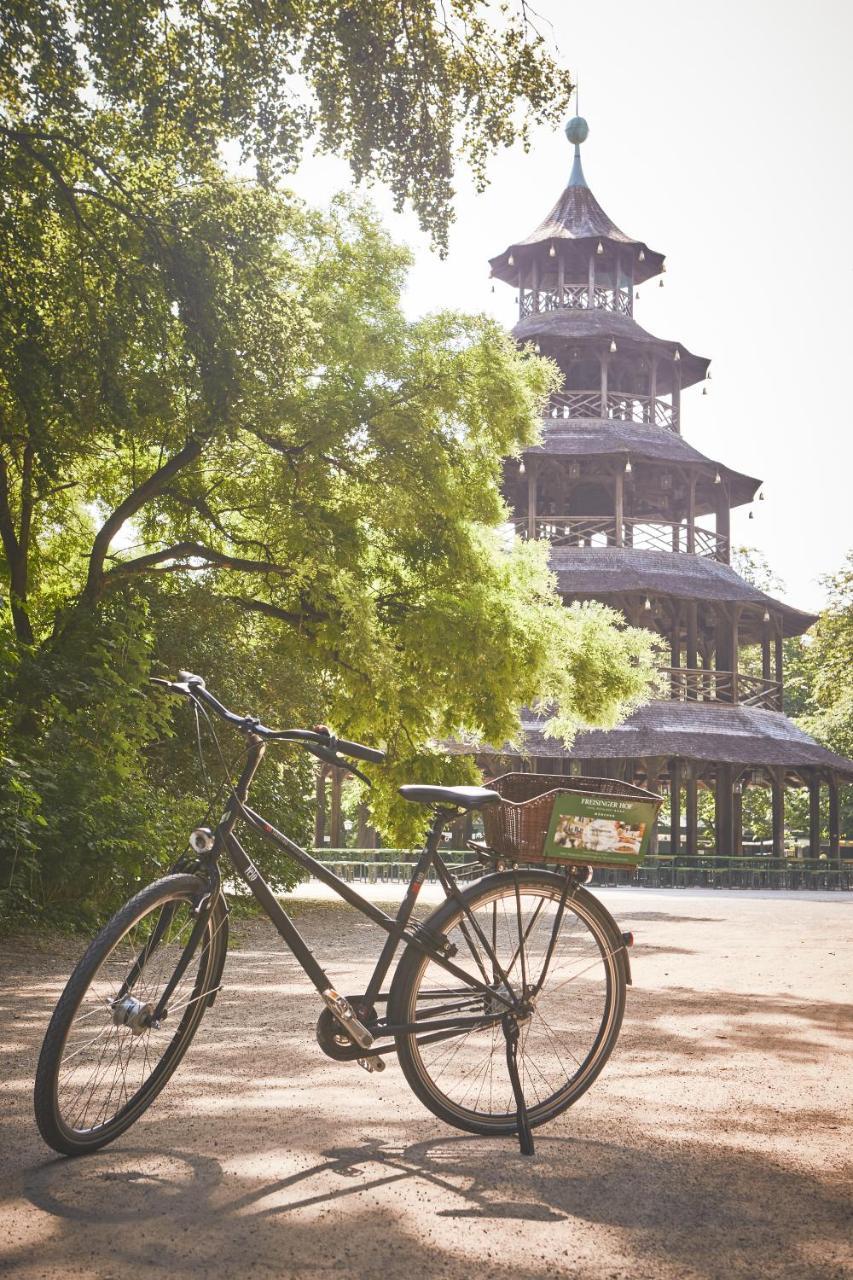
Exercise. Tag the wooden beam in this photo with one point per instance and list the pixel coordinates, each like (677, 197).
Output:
(675, 635)
(692, 658)
(723, 519)
(814, 816)
(691, 513)
(531, 499)
(765, 649)
(834, 818)
(653, 386)
(737, 817)
(676, 398)
(619, 503)
(675, 806)
(777, 789)
(691, 812)
(723, 787)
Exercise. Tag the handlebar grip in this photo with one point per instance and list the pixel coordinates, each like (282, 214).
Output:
(359, 751)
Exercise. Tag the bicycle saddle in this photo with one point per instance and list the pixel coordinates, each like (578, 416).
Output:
(454, 797)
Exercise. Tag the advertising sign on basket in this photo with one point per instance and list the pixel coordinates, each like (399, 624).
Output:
(602, 830)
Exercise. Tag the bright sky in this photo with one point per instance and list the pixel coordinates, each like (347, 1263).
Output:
(721, 135)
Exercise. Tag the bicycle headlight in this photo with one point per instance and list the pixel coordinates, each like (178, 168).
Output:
(201, 840)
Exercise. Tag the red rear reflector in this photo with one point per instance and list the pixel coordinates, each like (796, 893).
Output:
(628, 939)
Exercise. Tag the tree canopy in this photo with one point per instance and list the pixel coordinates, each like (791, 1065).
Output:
(222, 444)
(400, 88)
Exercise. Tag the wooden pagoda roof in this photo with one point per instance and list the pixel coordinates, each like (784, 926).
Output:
(603, 571)
(686, 730)
(577, 217)
(590, 327)
(603, 437)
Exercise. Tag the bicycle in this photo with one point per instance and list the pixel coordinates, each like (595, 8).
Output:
(465, 1009)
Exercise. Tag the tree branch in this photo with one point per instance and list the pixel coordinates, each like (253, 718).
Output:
(135, 501)
(195, 551)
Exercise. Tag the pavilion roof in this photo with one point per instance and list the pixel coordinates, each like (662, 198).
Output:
(684, 730)
(577, 217)
(593, 327)
(602, 571)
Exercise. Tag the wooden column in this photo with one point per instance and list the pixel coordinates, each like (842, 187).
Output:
(814, 815)
(531, 499)
(723, 520)
(535, 283)
(320, 809)
(691, 812)
(616, 269)
(604, 364)
(834, 818)
(619, 504)
(723, 794)
(561, 279)
(734, 641)
(692, 656)
(765, 650)
(653, 766)
(691, 514)
(777, 788)
(675, 636)
(676, 397)
(336, 830)
(675, 806)
(779, 655)
(590, 301)
(737, 818)
(653, 386)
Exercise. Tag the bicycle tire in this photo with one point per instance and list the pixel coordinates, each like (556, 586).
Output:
(595, 938)
(126, 942)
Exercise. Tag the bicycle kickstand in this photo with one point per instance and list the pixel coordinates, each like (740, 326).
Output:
(525, 1134)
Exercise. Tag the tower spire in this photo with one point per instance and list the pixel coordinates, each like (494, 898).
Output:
(577, 131)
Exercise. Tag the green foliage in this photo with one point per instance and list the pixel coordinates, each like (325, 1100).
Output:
(222, 444)
(397, 87)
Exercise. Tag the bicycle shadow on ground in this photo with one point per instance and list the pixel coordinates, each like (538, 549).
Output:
(692, 1208)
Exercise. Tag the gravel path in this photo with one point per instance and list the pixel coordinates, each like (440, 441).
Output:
(716, 1143)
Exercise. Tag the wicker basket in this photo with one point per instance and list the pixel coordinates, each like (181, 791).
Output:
(518, 828)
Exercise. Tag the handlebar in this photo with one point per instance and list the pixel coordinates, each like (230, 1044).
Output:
(320, 741)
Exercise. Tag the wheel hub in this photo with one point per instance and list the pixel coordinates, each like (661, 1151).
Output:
(132, 1013)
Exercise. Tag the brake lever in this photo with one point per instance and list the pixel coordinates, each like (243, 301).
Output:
(330, 757)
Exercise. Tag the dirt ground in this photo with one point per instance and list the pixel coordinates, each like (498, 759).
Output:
(716, 1143)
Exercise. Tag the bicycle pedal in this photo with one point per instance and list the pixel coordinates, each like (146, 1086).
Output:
(344, 1013)
(374, 1063)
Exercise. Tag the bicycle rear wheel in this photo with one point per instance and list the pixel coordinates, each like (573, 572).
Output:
(574, 1015)
(104, 1059)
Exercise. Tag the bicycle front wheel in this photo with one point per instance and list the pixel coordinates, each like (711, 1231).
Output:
(105, 1057)
(563, 951)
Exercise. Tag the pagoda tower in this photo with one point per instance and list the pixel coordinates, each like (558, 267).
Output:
(639, 519)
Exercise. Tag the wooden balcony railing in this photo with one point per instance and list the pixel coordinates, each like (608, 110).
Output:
(619, 405)
(637, 533)
(578, 296)
(691, 684)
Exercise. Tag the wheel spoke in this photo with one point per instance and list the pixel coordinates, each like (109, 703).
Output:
(546, 942)
(101, 1075)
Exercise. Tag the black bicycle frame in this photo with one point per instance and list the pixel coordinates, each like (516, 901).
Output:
(397, 927)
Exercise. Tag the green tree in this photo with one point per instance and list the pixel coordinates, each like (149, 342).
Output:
(222, 445)
(253, 436)
(399, 88)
